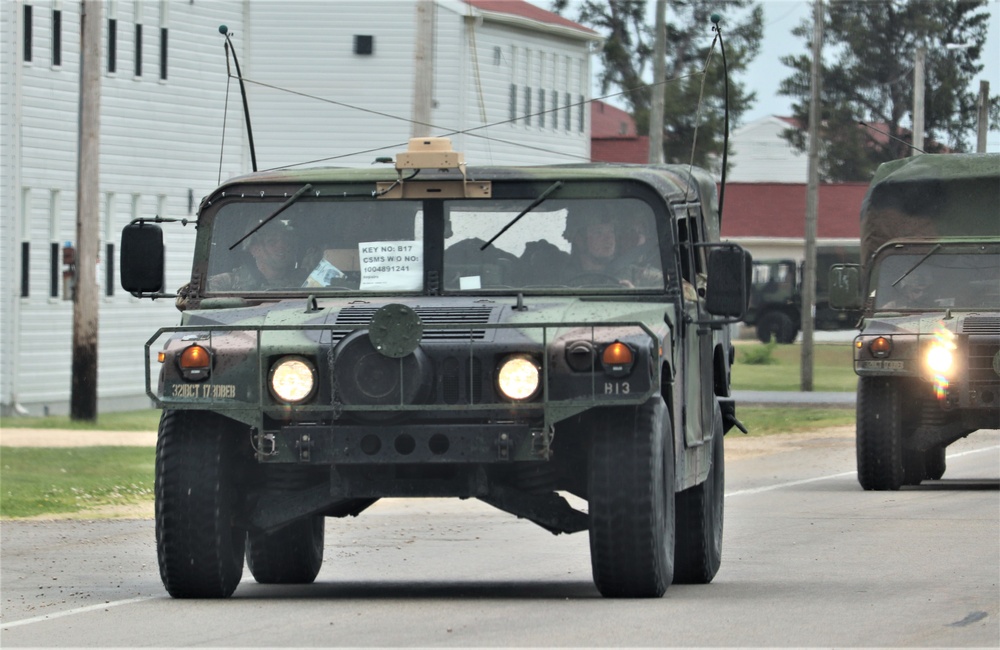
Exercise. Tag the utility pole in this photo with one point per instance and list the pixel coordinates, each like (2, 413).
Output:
(983, 116)
(83, 396)
(918, 100)
(423, 62)
(659, 86)
(808, 310)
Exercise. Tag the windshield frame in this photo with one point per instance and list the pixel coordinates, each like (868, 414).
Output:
(899, 261)
(521, 193)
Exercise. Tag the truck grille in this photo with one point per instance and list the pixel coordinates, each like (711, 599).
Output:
(361, 316)
(981, 357)
(981, 325)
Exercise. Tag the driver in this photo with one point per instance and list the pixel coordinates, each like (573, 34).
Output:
(273, 263)
(913, 291)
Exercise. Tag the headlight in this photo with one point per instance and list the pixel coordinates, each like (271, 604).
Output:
(939, 359)
(518, 377)
(293, 379)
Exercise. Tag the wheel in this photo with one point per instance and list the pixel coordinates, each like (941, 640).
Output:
(934, 463)
(631, 499)
(198, 547)
(698, 546)
(291, 555)
(879, 434)
(776, 324)
(914, 467)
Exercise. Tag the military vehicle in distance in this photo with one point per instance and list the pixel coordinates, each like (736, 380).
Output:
(928, 354)
(444, 334)
(775, 309)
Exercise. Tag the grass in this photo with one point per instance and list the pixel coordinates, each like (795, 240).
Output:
(49, 481)
(833, 367)
(765, 420)
(144, 420)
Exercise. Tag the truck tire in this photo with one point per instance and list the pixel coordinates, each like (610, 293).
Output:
(879, 434)
(199, 549)
(631, 501)
(776, 324)
(914, 467)
(292, 555)
(700, 509)
(934, 463)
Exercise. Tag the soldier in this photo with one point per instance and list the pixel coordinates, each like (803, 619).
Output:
(274, 264)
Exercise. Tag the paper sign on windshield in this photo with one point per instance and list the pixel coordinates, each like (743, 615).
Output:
(391, 265)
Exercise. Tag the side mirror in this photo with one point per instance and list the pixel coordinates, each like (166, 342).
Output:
(729, 277)
(141, 260)
(845, 286)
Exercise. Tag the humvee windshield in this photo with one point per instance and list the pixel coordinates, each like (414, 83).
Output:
(925, 277)
(379, 246)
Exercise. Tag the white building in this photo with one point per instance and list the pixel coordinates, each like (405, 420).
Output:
(759, 154)
(508, 81)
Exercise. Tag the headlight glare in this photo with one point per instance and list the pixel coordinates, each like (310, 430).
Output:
(939, 359)
(518, 377)
(293, 379)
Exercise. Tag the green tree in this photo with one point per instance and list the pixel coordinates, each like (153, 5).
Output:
(870, 79)
(627, 58)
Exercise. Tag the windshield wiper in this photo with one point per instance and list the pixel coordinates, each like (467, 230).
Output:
(534, 204)
(284, 206)
(919, 262)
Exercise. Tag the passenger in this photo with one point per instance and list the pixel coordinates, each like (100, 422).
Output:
(625, 254)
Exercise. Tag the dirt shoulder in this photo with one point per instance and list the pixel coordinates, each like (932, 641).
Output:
(75, 438)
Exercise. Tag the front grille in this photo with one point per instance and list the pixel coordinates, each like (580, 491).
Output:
(981, 325)
(361, 316)
(981, 357)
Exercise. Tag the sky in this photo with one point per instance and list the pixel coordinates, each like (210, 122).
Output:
(781, 16)
(767, 71)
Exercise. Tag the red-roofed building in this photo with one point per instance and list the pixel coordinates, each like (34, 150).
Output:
(613, 136)
(769, 218)
(527, 11)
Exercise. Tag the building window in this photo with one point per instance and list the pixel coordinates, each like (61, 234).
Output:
(513, 102)
(138, 49)
(25, 268)
(583, 113)
(55, 257)
(112, 45)
(109, 269)
(555, 109)
(541, 108)
(568, 115)
(163, 53)
(56, 38)
(527, 105)
(27, 33)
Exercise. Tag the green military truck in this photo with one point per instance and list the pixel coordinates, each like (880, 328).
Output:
(524, 336)
(928, 354)
(775, 310)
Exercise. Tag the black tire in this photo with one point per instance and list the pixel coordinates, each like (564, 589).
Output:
(198, 547)
(879, 434)
(776, 324)
(292, 555)
(631, 499)
(934, 463)
(700, 516)
(914, 467)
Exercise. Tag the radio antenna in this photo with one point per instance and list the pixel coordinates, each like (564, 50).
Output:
(231, 49)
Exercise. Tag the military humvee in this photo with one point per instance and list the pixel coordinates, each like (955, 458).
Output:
(928, 355)
(435, 333)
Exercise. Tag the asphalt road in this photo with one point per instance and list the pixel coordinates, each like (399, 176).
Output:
(809, 560)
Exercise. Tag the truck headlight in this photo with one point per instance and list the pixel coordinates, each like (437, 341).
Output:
(518, 377)
(939, 359)
(292, 379)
